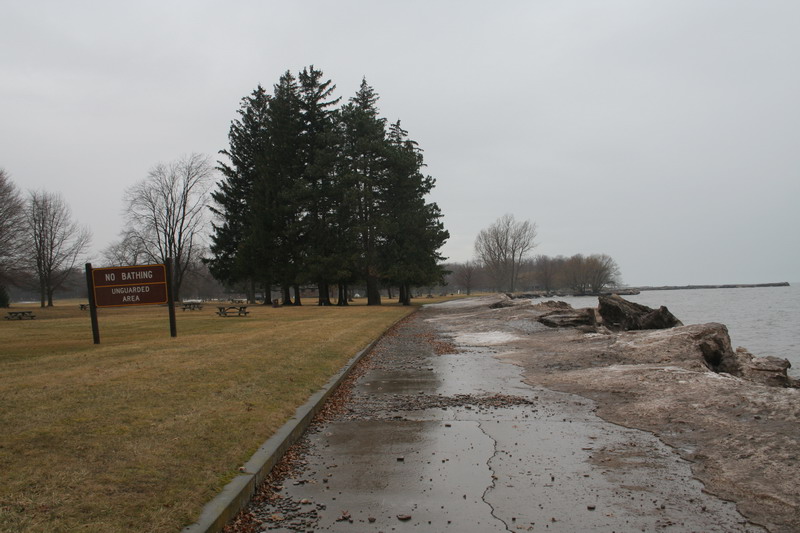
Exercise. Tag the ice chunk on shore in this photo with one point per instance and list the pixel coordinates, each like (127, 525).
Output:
(485, 338)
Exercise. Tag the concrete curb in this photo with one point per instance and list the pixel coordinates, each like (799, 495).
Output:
(237, 494)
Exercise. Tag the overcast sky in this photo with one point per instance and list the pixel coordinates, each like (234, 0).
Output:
(664, 134)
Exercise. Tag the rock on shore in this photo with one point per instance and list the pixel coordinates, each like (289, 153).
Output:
(664, 339)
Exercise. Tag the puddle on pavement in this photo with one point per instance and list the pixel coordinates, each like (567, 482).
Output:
(434, 474)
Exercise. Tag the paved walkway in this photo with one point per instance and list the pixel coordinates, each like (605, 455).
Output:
(436, 437)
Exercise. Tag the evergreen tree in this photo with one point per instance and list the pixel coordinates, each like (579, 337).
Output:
(5, 299)
(346, 255)
(279, 189)
(412, 231)
(363, 171)
(232, 240)
(320, 145)
(323, 195)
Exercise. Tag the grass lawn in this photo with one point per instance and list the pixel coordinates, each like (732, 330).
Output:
(139, 432)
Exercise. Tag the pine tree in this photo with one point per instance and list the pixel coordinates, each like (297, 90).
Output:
(412, 231)
(320, 145)
(363, 171)
(278, 190)
(232, 243)
(5, 299)
(324, 195)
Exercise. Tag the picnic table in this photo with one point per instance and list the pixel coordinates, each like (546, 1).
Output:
(233, 310)
(20, 315)
(192, 306)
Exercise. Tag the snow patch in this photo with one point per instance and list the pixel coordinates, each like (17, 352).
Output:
(465, 302)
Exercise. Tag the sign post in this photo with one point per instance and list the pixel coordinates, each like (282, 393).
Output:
(92, 305)
(130, 285)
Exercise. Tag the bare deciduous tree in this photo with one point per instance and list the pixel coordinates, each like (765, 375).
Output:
(546, 271)
(574, 274)
(12, 227)
(465, 275)
(503, 246)
(125, 252)
(12, 234)
(602, 272)
(166, 214)
(57, 242)
(592, 274)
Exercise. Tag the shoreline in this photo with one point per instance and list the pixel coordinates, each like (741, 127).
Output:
(725, 286)
(632, 291)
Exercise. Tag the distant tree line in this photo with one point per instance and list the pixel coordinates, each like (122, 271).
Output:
(503, 263)
(314, 193)
(40, 243)
(579, 274)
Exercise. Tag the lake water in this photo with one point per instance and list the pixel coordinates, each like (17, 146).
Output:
(765, 320)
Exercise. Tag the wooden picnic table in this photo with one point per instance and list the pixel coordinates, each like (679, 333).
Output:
(233, 310)
(20, 315)
(192, 306)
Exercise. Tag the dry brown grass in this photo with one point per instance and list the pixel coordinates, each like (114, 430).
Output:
(139, 432)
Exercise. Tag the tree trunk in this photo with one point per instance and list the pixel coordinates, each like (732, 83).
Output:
(251, 291)
(342, 301)
(267, 284)
(405, 294)
(297, 295)
(373, 291)
(287, 297)
(177, 274)
(324, 293)
(177, 279)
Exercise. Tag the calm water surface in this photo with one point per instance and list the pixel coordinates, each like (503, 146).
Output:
(766, 320)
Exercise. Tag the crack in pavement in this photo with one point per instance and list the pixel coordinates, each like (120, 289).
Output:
(489, 488)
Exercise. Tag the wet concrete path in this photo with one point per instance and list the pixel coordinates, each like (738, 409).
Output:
(438, 437)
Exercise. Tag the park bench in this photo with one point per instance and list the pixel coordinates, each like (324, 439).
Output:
(192, 306)
(233, 310)
(20, 315)
(84, 307)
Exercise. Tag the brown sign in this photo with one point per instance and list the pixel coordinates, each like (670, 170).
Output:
(130, 285)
